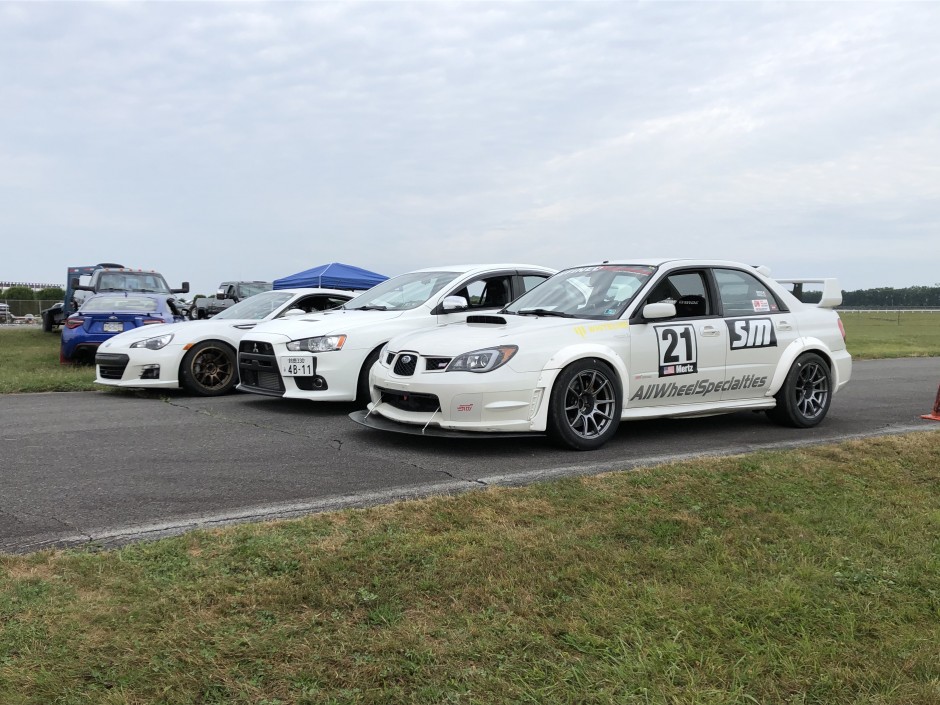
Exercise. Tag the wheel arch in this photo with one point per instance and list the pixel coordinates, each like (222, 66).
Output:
(193, 343)
(794, 350)
(568, 356)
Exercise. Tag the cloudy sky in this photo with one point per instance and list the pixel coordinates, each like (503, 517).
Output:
(235, 140)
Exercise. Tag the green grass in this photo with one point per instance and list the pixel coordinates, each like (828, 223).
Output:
(801, 577)
(29, 358)
(892, 334)
(29, 362)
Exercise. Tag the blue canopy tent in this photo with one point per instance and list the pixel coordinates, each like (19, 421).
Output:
(331, 276)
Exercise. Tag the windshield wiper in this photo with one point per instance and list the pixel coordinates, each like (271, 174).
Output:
(543, 312)
(368, 308)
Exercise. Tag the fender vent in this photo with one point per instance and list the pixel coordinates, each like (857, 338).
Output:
(492, 320)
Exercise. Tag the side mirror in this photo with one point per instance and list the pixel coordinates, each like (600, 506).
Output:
(660, 310)
(182, 290)
(294, 312)
(454, 303)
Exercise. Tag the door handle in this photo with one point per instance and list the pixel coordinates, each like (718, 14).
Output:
(710, 332)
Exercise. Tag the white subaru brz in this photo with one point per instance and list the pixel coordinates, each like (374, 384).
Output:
(624, 339)
(200, 356)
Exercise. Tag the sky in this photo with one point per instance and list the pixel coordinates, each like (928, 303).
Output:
(236, 140)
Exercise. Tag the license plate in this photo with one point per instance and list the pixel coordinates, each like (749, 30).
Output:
(113, 327)
(297, 366)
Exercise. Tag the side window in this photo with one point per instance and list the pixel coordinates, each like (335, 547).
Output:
(529, 282)
(687, 291)
(743, 294)
(493, 292)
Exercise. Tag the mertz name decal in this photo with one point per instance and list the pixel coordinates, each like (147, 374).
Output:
(701, 388)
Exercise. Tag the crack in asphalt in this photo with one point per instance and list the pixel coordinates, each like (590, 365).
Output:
(223, 417)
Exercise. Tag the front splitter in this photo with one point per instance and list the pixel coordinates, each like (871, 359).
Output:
(380, 423)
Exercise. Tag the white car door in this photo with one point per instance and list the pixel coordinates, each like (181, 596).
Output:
(678, 360)
(759, 329)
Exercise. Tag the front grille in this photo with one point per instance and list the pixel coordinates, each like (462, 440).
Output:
(405, 364)
(436, 364)
(410, 401)
(259, 371)
(256, 347)
(111, 365)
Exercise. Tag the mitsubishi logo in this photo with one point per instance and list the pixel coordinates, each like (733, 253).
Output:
(254, 347)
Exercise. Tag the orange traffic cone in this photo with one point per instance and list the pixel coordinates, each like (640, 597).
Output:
(935, 414)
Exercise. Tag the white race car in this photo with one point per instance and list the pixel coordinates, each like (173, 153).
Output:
(619, 340)
(327, 356)
(200, 356)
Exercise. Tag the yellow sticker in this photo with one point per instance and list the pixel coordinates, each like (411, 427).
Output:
(583, 331)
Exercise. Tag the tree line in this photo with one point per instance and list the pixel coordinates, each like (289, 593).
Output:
(887, 297)
(24, 293)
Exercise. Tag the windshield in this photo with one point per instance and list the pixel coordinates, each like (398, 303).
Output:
(598, 292)
(110, 304)
(257, 307)
(133, 281)
(246, 290)
(403, 292)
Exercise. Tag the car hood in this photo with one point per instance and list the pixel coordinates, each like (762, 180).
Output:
(329, 322)
(459, 338)
(186, 330)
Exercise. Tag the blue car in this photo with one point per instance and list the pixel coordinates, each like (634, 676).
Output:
(105, 315)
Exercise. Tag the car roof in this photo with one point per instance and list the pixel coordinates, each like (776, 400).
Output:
(315, 290)
(671, 261)
(468, 268)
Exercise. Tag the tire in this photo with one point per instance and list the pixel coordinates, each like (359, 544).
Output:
(47, 321)
(584, 408)
(804, 398)
(209, 369)
(362, 388)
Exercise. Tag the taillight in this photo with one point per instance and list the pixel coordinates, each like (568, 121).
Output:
(74, 322)
(150, 321)
(841, 328)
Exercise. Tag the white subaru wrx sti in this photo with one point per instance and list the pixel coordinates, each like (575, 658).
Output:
(631, 339)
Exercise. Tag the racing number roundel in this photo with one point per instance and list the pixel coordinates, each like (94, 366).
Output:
(678, 353)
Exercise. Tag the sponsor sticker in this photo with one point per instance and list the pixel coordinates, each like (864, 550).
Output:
(702, 388)
(465, 407)
(583, 331)
(760, 305)
(745, 333)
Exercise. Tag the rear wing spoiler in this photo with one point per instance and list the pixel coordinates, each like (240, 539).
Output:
(831, 293)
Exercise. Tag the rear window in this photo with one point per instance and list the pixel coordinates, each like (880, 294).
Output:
(105, 304)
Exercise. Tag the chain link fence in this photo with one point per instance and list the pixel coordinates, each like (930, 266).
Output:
(22, 310)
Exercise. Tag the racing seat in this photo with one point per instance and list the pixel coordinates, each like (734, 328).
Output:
(496, 294)
(690, 305)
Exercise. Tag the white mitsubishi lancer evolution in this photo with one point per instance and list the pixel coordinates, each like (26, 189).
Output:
(630, 339)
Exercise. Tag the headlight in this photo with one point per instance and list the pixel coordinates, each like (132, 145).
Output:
(485, 360)
(383, 355)
(160, 341)
(323, 343)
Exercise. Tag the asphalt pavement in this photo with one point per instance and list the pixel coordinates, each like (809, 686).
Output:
(106, 468)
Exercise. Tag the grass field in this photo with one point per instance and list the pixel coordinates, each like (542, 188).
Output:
(29, 358)
(891, 334)
(802, 577)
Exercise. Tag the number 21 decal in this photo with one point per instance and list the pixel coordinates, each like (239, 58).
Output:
(678, 354)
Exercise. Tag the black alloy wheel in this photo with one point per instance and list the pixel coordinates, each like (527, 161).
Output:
(804, 398)
(584, 409)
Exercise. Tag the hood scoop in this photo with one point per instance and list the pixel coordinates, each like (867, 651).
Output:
(492, 320)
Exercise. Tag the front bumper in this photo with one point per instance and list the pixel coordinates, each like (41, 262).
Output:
(502, 401)
(334, 375)
(139, 368)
